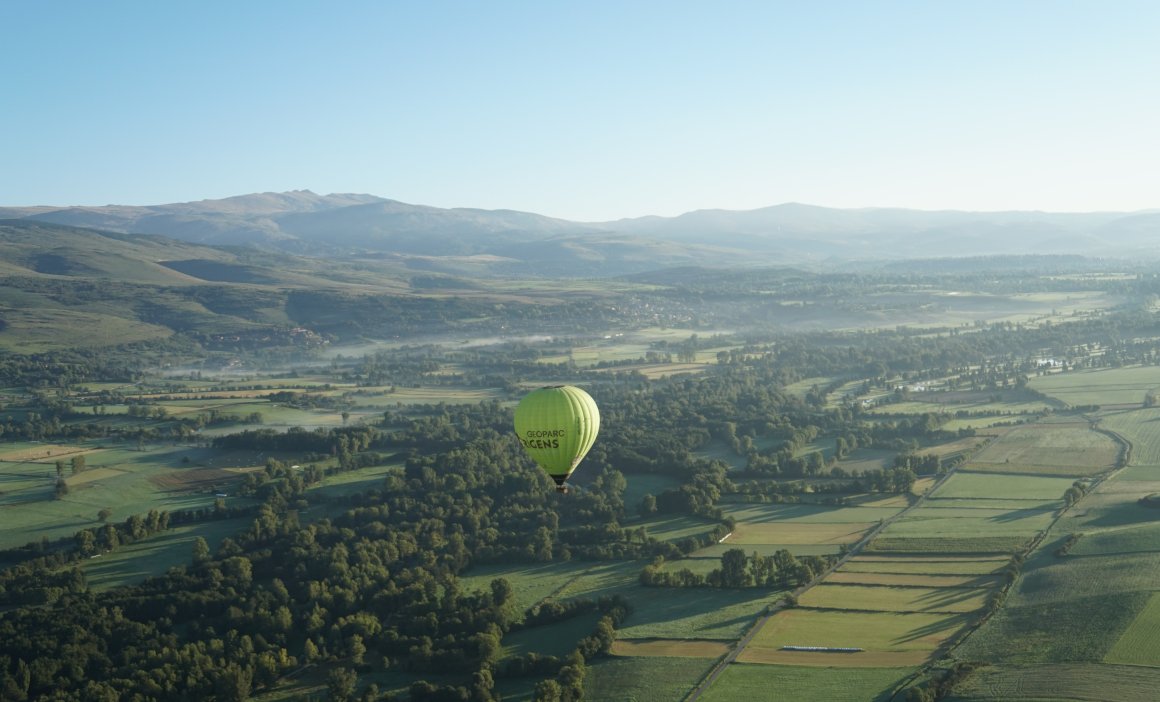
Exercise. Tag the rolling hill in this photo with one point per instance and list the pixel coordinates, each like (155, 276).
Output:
(508, 242)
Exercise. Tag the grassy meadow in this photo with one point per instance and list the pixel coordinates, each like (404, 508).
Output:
(1084, 682)
(890, 639)
(642, 679)
(1049, 448)
(744, 681)
(1103, 386)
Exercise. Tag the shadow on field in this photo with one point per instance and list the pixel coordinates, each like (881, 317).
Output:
(1126, 514)
(675, 604)
(1018, 514)
(935, 628)
(946, 597)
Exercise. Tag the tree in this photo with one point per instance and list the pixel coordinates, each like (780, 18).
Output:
(78, 464)
(86, 542)
(648, 505)
(201, 551)
(340, 684)
(104, 514)
(547, 691)
(733, 569)
(234, 683)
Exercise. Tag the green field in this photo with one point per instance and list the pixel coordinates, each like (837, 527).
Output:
(642, 679)
(1049, 449)
(557, 639)
(641, 484)
(530, 583)
(805, 385)
(895, 599)
(693, 613)
(971, 485)
(658, 612)
(1053, 624)
(744, 681)
(1014, 405)
(31, 330)
(979, 422)
(671, 528)
(929, 565)
(862, 460)
(1085, 682)
(889, 638)
(1142, 428)
(991, 503)
(804, 513)
(1140, 644)
(856, 577)
(1112, 386)
(940, 522)
(153, 556)
(947, 545)
(126, 481)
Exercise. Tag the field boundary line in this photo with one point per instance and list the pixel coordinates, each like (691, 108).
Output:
(771, 610)
(954, 642)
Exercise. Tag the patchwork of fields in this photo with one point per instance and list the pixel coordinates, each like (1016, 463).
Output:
(1050, 448)
(1083, 625)
(1076, 626)
(929, 575)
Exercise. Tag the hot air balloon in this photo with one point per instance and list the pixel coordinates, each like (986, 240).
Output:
(557, 425)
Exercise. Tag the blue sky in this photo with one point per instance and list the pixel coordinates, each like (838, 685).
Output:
(585, 110)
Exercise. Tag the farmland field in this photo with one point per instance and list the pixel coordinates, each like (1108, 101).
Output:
(643, 679)
(950, 522)
(1112, 386)
(1052, 626)
(670, 528)
(794, 533)
(970, 485)
(744, 681)
(153, 556)
(889, 638)
(991, 503)
(847, 577)
(675, 648)
(658, 613)
(530, 583)
(948, 544)
(802, 529)
(1140, 644)
(1086, 682)
(1142, 428)
(933, 565)
(805, 514)
(1014, 406)
(867, 459)
(556, 639)
(1049, 449)
(978, 422)
(692, 613)
(895, 599)
(640, 484)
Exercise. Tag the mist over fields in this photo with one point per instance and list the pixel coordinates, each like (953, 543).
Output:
(848, 454)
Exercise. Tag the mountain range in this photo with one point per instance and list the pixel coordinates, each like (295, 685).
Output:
(511, 242)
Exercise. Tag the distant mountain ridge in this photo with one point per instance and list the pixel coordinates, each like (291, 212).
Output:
(303, 222)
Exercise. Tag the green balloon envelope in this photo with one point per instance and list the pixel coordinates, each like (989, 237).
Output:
(557, 425)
